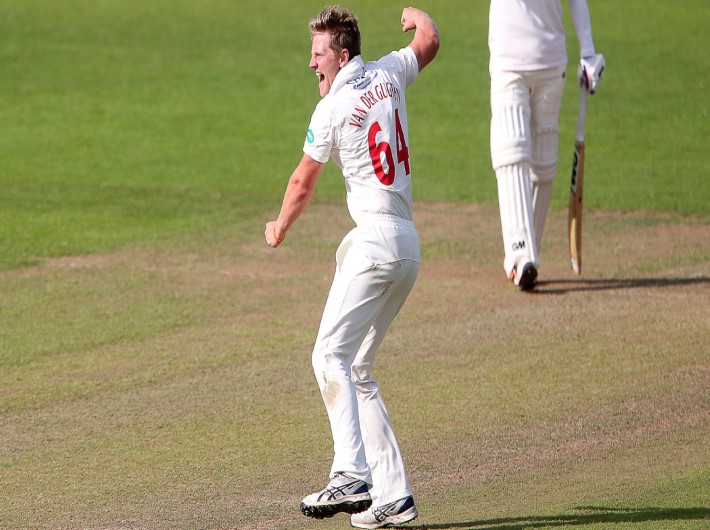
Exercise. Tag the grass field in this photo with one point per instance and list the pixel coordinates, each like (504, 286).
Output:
(155, 354)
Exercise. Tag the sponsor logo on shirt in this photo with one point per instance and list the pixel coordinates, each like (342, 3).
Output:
(310, 136)
(361, 81)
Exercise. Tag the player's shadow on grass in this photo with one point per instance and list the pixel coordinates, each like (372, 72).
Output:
(590, 515)
(567, 286)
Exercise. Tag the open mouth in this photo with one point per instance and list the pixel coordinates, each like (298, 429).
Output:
(321, 77)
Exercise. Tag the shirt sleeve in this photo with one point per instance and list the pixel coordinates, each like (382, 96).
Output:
(583, 26)
(403, 61)
(320, 135)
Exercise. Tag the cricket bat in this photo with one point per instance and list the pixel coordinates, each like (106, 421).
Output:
(576, 192)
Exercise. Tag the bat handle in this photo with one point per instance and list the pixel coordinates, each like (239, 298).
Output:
(581, 113)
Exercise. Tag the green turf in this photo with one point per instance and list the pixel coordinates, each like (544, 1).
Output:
(125, 121)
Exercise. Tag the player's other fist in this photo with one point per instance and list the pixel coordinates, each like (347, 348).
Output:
(409, 17)
(272, 239)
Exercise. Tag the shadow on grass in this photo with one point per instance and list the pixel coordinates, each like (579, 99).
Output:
(566, 286)
(592, 515)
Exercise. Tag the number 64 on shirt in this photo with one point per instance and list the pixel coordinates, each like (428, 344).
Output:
(383, 148)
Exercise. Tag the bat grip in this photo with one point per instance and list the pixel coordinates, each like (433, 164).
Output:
(581, 113)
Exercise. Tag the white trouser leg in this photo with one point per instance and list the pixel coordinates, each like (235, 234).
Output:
(545, 103)
(541, 193)
(361, 305)
(332, 361)
(389, 477)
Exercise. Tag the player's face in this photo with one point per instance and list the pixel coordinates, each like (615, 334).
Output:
(325, 62)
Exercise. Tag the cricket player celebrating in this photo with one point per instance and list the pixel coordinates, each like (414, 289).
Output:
(527, 67)
(361, 123)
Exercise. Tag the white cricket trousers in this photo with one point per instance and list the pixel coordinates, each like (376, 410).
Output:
(525, 110)
(363, 301)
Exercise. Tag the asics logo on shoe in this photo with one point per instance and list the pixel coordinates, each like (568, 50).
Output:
(393, 508)
(333, 492)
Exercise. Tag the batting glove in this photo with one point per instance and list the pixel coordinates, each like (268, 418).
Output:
(590, 70)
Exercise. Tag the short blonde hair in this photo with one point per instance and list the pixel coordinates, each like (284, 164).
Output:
(341, 25)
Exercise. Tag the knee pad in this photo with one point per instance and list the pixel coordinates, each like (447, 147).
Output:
(543, 164)
(510, 134)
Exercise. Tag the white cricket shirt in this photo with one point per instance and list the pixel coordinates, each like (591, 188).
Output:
(526, 35)
(362, 124)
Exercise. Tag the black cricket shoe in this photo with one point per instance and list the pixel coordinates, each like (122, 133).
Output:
(528, 277)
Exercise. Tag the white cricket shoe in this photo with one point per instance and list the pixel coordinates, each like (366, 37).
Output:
(394, 513)
(342, 494)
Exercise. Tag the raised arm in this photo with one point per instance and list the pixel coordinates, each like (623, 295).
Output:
(298, 193)
(425, 43)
